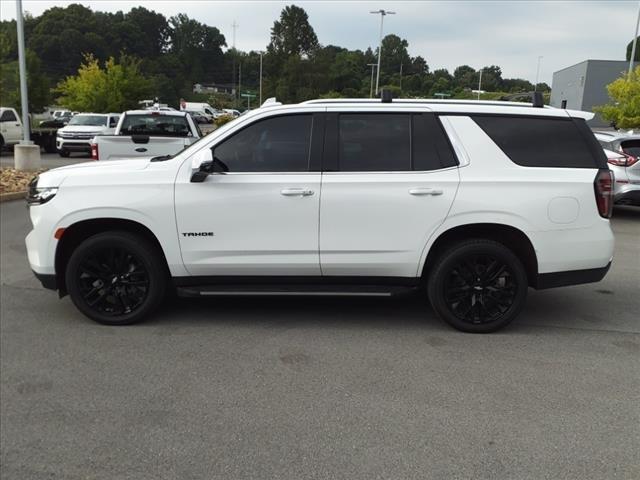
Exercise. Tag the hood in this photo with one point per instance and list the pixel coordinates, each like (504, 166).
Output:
(55, 177)
(83, 128)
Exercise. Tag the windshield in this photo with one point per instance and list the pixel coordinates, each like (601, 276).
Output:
(89, 120)
(156, 125)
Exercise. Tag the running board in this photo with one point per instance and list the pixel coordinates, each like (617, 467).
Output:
(295, 290)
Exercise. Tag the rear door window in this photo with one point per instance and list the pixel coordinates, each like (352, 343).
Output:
(374, 142)
(544, 142)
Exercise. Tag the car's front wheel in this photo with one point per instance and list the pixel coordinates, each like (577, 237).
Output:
(478, 286)
(64, 153)
(116, 278)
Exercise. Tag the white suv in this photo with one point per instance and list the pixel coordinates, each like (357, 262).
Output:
(468, 202)
(81, 129)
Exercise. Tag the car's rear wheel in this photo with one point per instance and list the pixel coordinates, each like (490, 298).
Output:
(478, 286)
(116, 278)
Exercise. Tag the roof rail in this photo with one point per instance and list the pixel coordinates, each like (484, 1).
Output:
(270, 102)
(536, 97)
(420, 101)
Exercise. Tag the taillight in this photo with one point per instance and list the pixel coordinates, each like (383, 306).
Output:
(622, 160)
(631, 160)
(603, 186)
(94, 151)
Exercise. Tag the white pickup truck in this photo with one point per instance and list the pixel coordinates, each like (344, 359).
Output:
(147, 134)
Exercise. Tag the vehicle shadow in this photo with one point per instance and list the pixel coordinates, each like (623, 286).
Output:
(545, 310)
(409, 311)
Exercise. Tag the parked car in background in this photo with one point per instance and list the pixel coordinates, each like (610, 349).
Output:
(146, 134)
(623, 152)
(77, 135)
(466, 203)
(11, 131)
(230, 111)
(199, 117)
(200, 107)
(63, 116)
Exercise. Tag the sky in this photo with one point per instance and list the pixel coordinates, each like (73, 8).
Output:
(510, 34)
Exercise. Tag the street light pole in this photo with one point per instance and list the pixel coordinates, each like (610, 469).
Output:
(24, 100)
(372, 65)
(635, 41)
(382, 15)
(535, 87)
(480, 84)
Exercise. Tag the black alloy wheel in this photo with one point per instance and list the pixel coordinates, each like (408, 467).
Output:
(113, 281)
(116, 278)
(478, 286)
(480, 289)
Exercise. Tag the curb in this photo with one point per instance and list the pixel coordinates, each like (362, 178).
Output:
(7, 197)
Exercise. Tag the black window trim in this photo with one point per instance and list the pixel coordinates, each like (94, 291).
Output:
(315, 144)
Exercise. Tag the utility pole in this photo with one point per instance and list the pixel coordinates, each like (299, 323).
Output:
(239, 78)
(26, 155)
(634, 45)
(480, 84)
(535, 87)
(382, 14)
(234, 25)
(260, 102)
(24, 100)
(372, 65)
(401, 77)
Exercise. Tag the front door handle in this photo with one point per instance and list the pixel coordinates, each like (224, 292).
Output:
(296, 192)
(425, 191)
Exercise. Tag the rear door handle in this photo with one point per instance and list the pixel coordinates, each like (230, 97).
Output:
(425, 191)
(296, 192)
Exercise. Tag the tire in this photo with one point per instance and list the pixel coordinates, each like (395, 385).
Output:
(116, 278)
(477, 286)
(50, 145)
(64, 153)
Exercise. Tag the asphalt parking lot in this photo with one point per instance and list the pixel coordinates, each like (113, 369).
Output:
(246, 388)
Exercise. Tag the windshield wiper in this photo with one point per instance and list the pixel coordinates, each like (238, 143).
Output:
(161, 158)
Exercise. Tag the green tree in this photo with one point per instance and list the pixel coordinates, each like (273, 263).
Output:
(394, 54)
(637, 54)
(292, 34)
(114, 88)
(624, 111)
(37, 84)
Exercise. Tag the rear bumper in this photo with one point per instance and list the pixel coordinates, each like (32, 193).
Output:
(628, 197)
(571, 277)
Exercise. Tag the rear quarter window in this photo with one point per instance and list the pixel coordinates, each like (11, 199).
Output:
(544, 142)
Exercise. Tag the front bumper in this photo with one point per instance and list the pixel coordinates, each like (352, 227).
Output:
(71, 146)
(47, 280)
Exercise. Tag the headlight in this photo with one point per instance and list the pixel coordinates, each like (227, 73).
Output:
(38, 196)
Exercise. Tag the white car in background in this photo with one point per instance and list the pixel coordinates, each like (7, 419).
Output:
(623, 157)
(147, 134)
(81, 129)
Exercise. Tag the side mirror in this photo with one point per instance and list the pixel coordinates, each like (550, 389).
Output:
(205, 164)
